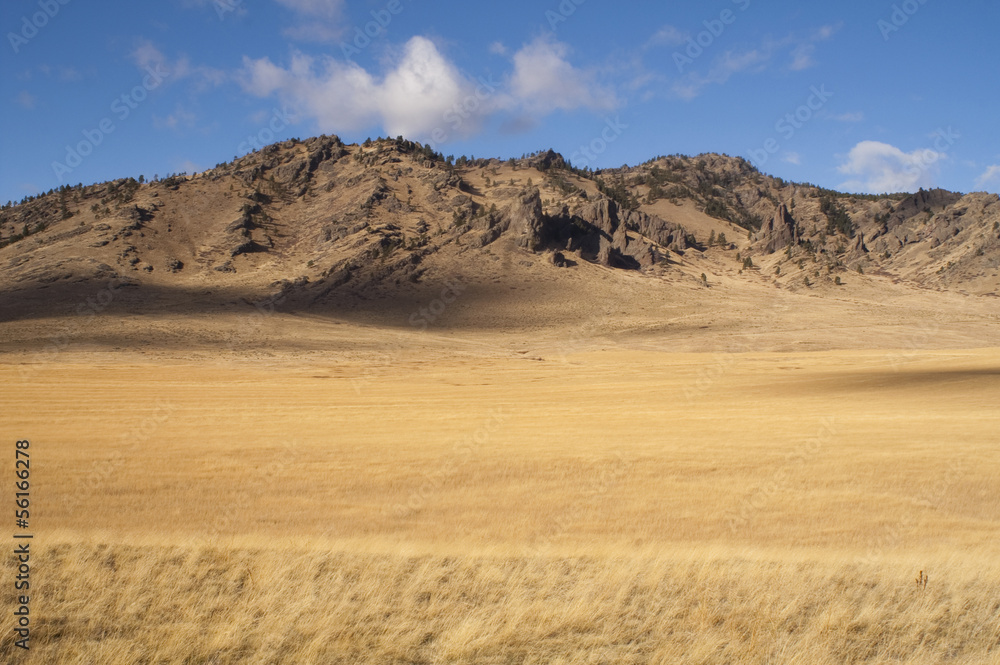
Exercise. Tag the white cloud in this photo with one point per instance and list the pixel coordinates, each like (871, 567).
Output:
(792, 158)
(423, 91)
(411, 99)
(414, 97)
(339, 96)
(497, 48)
(26, 100)
(544, 81)
(668, 36)
(880, 167)
(992, 174)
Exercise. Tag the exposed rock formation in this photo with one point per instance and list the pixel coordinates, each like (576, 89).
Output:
(778, 233)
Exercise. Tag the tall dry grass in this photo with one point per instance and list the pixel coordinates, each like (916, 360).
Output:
(101, 602)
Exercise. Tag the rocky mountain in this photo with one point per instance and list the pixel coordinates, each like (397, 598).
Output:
(314, 222)
(934, 238)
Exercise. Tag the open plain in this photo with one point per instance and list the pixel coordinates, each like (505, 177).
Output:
(449, 498)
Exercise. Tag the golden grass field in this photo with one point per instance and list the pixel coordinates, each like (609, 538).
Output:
(598, 506)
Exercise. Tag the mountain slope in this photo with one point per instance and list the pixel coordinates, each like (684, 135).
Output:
(375, 230)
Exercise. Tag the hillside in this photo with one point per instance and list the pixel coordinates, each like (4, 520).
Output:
(369, 233)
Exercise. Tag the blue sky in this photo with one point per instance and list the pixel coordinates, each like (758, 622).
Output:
(859, 95)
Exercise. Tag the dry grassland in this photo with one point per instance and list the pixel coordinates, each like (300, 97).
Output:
(599, 507)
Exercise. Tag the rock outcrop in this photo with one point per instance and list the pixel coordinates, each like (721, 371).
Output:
(524, 218)
(778, 233)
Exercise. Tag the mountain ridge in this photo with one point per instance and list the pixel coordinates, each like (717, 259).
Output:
(318, 223)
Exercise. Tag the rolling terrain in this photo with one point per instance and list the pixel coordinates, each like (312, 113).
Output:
(334, 403)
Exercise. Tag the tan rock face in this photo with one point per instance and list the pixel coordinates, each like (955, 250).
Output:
(780, 232)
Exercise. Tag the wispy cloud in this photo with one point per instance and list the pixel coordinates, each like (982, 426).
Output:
(723, 68)
(991, 175)
(187, 166)
(668, 36)
(826, 32)
(804, 51)
(801, 51)
(146, 55)
(26, 100)
(849, 117)
(180, 118)
(802, 57)
(329, 9)
(315, 20)
(221, 8)
(62, 73)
